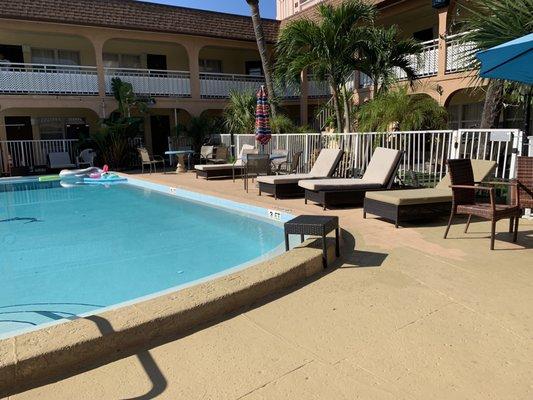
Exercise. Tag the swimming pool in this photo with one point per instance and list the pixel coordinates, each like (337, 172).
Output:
(66, 252)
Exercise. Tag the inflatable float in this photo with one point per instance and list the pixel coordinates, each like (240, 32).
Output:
(89, 176)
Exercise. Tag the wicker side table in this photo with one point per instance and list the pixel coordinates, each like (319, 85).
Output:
(314, 225)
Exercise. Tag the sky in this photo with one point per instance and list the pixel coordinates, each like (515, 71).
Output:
(268, 7)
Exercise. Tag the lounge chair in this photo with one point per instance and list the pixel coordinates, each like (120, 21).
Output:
(60, 160)
(210, 171)
(412, 204)
(379, 174)
(287, 185)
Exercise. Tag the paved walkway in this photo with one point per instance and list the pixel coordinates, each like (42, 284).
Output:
(406, 316)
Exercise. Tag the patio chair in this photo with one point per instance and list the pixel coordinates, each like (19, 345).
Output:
(464, 200)
(60, 160)
(379, 174)
(287, 185)
(228, 170)
(416, 204)
(286, 167)
(206, 153)
(150, 160)
(86, 158)
(255, 166)
(220, 156)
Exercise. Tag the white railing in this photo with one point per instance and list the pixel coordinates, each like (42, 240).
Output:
(48, 79)
(458, 53)
(425, 152)
(220, 85)
(31, 153)
(426, 63)
(152, 82)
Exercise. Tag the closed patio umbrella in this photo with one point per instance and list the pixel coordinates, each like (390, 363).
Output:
(510, 61)
(263, 133)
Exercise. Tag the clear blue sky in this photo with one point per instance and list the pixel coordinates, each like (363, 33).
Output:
(268, 7)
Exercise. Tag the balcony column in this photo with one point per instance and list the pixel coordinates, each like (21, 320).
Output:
(304, 97)
(98, 45)
(193, 53)
(443, 28)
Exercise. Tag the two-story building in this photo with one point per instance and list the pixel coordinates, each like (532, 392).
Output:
(441, 69)
(57, 59)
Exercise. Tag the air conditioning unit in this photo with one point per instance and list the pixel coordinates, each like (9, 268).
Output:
(440, 3)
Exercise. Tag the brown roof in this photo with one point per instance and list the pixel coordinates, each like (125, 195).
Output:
(137, 15)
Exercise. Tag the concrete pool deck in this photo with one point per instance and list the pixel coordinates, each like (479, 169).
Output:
(407, 315)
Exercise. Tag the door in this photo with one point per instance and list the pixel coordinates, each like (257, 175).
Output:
(156, 61)
(11, 54)
(254, 68)
(19, 128)
(160, 126)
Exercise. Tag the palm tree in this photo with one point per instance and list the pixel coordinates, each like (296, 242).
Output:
(396, 109)
(263, 52)
(325, 47)
(384, 54)
(239, 115)
(489, 23)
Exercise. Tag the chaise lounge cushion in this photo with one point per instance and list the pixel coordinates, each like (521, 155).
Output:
(412, 196)
(338, 184)
(381, 168)
(216, 167)
(440, 194)
(325, 166)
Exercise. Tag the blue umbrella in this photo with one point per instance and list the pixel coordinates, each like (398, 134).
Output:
(511, 61)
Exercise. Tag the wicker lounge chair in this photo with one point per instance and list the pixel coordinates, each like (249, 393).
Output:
(60, 160)
(379, 174)
(228, 170)
(464, 200)
(414, 204)
(287, 185)
(524, 180)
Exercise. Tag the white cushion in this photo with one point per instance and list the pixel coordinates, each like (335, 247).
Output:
(60, 160)
(281, 179)
(338, 184)
(326, 163)
(382, 165)
(214, 167)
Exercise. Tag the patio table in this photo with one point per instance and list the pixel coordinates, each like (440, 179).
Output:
(180, 167)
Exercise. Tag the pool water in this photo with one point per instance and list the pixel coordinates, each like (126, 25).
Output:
(67, 252)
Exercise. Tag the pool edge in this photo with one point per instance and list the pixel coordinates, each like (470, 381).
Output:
(41, 356)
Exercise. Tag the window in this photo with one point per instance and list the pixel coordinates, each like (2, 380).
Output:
(213, 66)
(114, 60)
(51, 128)
(55, 56)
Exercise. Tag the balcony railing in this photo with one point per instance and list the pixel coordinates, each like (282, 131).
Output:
(458, 54)
(17, 78)
(152, 82)
(427, 62)
(318, 88)
(219, 86)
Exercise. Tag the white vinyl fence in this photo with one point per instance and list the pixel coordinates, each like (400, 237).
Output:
(425, 152)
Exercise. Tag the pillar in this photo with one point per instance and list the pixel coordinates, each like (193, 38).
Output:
(304, 99)
(443, 27)
(193, 53)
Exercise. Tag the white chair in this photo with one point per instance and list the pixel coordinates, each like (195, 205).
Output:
(86, 158)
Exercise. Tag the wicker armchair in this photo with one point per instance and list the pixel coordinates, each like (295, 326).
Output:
(464, 200)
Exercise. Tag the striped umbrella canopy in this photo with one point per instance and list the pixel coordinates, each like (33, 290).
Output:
(263, 134)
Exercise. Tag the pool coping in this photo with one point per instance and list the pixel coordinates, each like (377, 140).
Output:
(53, 352)
(61, 350)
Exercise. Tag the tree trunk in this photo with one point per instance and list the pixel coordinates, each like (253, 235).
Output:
(375, 82)
(263, 52)
(493, 105)
(336, 105)
(347, 108)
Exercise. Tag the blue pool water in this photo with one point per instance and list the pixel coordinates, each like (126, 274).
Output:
(66, 252)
